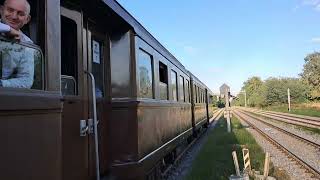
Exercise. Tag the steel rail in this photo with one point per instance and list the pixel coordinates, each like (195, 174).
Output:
(316, 145)
(308, 167)
(304, 119)
(294, 120)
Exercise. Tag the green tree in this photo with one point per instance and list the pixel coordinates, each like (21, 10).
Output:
(276, 90)
(255, 92)
(311, 74)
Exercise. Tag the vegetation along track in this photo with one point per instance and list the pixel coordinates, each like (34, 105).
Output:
(307, 121)
(306, 156)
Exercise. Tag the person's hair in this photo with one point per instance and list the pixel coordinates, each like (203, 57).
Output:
(27, 6)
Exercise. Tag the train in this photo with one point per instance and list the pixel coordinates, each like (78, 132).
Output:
(107, 100)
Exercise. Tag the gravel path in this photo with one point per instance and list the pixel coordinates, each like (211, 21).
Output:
(180, 170)
(278, 158)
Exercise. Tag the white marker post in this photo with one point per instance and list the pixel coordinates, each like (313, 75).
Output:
(289, 103)
(236, 164)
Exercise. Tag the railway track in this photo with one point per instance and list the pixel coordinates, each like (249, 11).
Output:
(307, 141)
(290, 144)
(307, 121)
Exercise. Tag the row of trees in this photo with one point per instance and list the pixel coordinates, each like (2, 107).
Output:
(273, 91)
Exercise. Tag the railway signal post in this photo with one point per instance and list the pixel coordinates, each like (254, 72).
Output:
(227, 114)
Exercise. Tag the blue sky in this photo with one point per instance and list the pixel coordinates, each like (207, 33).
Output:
(230, 41)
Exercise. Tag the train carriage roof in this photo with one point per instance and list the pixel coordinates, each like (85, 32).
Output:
(143, 33)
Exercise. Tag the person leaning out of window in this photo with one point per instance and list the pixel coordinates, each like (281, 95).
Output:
(17, 66)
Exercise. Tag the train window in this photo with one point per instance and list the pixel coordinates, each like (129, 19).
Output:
(195, 93)
(163, 78)
(145, 75)
(201, 95)
(97, 66)
(69, 56)
(199, 98)
(21, 66)
(174, 87)
(181, 88)
(187, 94)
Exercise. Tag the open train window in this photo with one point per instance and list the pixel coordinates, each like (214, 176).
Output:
(163, 78)
(174, 85)
(69, 56)
(145, 75)
(21, 65)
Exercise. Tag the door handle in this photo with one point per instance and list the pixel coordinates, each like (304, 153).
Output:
(83, 128)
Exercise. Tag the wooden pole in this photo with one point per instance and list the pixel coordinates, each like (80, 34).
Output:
(236, 164)
(289, 103)
(266, 165)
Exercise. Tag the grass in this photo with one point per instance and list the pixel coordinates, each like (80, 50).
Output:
(301, 109)
(214, 161)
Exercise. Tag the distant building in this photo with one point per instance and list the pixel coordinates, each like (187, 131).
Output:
(223, 90)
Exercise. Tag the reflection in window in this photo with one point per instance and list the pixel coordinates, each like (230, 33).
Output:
(181, 88)
(145, 75)
(163, 78)
(20, 66)
(187, 91)
(174, 87)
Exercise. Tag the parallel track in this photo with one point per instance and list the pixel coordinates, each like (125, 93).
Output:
(306, 121)
(307, 141)
(305, 165)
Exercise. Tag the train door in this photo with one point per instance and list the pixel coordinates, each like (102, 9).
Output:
(98, 63)
(75, 138)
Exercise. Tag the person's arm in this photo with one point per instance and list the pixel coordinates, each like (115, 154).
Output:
(25, 73)
(4, 28)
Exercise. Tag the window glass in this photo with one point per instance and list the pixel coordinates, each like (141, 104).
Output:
(69, 57)
(174, 86)
(145, 75)
(187, 91)
(163, 78)
(196, 94)
(97, 66)
(20, 66)
(181, 87)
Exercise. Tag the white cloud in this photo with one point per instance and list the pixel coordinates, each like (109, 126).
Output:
(315, 4)
(315, 40)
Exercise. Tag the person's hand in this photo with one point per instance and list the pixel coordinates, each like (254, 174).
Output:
(14, 34)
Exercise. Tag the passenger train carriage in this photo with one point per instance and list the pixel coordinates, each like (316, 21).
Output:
(107, 100)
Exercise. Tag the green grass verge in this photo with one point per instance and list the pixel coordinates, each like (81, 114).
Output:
(214, 160)
(296, 109)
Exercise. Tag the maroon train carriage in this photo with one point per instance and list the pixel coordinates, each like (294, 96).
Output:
(108, 100)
